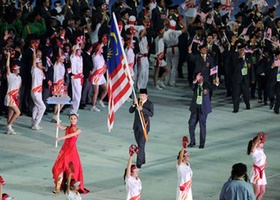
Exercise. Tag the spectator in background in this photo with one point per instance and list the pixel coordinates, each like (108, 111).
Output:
(237, 187)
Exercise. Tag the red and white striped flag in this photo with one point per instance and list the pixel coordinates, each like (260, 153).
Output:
(119, 80)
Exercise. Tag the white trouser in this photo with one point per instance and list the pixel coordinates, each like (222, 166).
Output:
(172, 60)
(76, 95)
(143, 73)
(38, 109)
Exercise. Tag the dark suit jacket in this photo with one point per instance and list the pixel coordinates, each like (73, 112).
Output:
(87, 64)
(238, 64)
(148, 111)
(200, 65)
(206, 103)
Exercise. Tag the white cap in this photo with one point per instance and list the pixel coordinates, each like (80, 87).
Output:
(132, 18)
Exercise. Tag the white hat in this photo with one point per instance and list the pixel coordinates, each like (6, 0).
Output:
(132, 18)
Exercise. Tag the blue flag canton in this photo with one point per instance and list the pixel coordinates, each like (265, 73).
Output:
(114, 49)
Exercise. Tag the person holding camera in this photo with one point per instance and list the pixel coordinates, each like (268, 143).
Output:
(237, 186)
(257, 175)
(12, 96)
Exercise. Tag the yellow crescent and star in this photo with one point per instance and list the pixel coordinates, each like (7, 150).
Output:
(113, 35)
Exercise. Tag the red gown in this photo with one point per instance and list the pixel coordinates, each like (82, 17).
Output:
(69, 153)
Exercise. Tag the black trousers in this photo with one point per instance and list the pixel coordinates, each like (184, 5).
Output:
(141, 142)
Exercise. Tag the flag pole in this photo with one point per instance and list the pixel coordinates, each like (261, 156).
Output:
(58, 121)
(128, 72)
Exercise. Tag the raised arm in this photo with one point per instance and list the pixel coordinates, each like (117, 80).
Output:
(127, 175)
(8, 69)
(34, 56)
(179, 161)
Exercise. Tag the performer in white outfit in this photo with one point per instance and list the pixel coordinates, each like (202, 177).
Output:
(160, 62)
(184, 171)
(170, 38)
(190, 10)
(132, 181)
(97, 77)
(142, 60)
(38, 76)
(257, 176)
(58, 80)
(11, 98)
(77, 77)
(129, 43)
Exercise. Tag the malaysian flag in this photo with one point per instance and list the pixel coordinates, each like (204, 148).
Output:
(119, 80)
(214, 70)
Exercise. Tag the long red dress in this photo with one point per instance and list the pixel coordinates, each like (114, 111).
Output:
(69, 153)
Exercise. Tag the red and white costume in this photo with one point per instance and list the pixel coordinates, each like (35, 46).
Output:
(160, 62)
(58, 75)
(99, 68)
(133, 188)
(77, 82)
(143, 63)
(190, 8)
(257, 175)
(14, 83)
(184, 188)
(170, 38)
(130, 60)
(36, 95)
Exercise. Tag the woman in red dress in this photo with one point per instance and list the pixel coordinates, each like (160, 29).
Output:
(68, 154)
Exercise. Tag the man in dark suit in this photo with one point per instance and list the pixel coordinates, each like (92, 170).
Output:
(200, 107)
(145, 110)
(241, 77)
(87, 67)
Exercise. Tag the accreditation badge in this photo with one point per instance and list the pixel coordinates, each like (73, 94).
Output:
(278, 77)
(199, 100)
(244, 71)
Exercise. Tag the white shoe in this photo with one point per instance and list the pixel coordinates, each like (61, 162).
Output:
(157, 87)
(10, 130)
(54, 119)
(101, 104)
(161, 84)
(36, 127)
(172, 84)
(94, 108)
